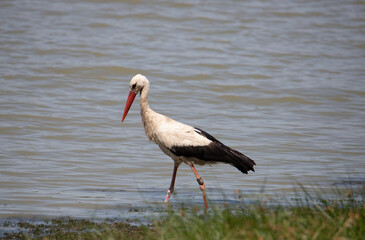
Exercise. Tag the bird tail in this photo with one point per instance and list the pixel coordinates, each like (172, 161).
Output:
(240, 161)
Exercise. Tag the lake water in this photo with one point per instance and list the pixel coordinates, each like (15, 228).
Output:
(281, 81)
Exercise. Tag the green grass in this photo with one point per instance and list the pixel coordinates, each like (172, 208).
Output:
(330, 222)
(315, 219)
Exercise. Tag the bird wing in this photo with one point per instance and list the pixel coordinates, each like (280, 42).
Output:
(213, 152)
(195, 144)
(171, 133)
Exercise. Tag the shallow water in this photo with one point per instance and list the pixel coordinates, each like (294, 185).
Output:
(282, 82)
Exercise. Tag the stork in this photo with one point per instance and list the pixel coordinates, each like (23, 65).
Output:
(183, 143)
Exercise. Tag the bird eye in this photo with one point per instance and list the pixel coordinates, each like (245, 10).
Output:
(134, 86)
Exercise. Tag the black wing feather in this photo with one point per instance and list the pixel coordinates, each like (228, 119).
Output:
(215, 152)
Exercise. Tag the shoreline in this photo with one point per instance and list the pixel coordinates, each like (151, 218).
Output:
(318, 219)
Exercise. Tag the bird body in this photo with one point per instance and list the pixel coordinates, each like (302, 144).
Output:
(183, 143)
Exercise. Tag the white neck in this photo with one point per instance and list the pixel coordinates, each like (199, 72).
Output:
(147, 113)
(144, 97)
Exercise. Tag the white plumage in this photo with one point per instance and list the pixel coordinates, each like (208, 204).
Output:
(182, 142)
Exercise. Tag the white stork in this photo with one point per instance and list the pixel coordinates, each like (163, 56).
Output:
(183, 143)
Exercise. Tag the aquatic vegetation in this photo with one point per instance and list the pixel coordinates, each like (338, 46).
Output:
(306, 222)
(312, 218)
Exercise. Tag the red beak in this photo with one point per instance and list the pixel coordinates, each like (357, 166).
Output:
(128, 104)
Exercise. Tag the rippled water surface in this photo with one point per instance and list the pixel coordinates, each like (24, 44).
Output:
(281, 81)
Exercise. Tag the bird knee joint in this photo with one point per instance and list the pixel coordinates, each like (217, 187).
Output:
(200, 181)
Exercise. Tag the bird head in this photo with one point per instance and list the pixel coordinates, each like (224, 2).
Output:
(137, 83)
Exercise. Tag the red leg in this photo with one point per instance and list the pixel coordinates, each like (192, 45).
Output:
(201, 183)
(171, 189)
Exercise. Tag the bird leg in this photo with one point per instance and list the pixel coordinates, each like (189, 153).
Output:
(201, 183)
(171, 188)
